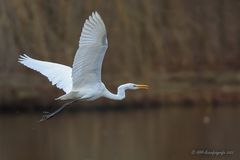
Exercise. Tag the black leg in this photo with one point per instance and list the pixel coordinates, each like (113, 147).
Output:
(50, 115)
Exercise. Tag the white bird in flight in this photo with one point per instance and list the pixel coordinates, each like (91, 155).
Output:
(83, 80)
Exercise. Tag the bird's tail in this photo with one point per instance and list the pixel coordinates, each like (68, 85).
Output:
(69, 96)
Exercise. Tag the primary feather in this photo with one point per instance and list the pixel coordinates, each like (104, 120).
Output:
(88, 60)
(58, 74)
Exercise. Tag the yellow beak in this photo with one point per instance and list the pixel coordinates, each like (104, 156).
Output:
(142, 86)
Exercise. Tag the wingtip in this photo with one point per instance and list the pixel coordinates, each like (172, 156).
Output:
(96, 13)
(22, 58)
(94, 18)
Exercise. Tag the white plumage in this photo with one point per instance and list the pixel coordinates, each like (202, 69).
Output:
(88, 60)
(83, 80)
(60, 75)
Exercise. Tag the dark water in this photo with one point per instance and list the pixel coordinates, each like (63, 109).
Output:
(167, 133)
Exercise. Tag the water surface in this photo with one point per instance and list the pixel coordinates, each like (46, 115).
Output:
(136, 134)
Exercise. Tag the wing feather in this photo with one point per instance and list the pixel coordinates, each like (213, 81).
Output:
(60, 75)
(88, 60)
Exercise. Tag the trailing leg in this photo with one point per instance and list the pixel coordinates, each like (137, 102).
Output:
(50, 115)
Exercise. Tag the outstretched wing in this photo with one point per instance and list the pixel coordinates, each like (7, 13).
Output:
(58, 74)
(88, 60)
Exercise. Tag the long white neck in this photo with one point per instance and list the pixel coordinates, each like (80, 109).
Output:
(120, 93)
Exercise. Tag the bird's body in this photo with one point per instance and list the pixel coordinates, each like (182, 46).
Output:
(86, 92)
(83, 80)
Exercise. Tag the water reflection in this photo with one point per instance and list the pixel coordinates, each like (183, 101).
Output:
(137, 134)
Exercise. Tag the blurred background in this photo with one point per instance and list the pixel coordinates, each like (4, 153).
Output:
(187, 52)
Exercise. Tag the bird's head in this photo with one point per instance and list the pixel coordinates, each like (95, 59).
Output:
(135, 86)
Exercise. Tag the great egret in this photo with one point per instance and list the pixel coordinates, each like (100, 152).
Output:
(83, 80)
